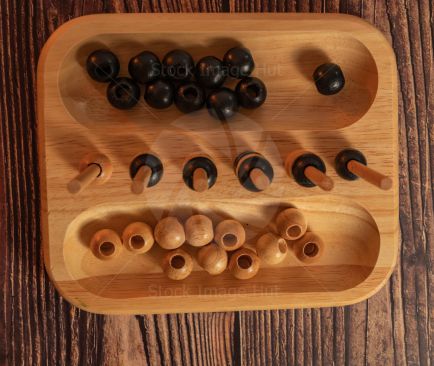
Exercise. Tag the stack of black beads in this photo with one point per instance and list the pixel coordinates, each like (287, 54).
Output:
(177, 80)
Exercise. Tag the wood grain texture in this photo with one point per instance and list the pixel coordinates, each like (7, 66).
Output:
(393, 327)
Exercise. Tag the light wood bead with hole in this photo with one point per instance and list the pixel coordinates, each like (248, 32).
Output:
(244, 264)
(308, 170)
(198, 230)
(309, 248)
(138, 237)
(93, 168)
(271, 248)
(291, 224)
(177, 264)
(169, 233)
(106, 244)
(213, 258)
(230, 235)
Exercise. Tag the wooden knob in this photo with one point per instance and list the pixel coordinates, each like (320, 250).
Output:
(177, 264)
(138, 237)
(308, 170)
(271, 248)
(244, 264)
(169, 233)
(230, 235)
(309, 248)
(146, 170)
(254, 172)
(198, 230)
(291, 224)
(351, 164)
(106, 244)
(93, 168)
(213, 258)
(200, 173)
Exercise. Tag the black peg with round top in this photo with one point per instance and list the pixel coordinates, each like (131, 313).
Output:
(200, 173)
(254, 172)
(329, 79)
(146, 170)
(351, 164)
(308, 170)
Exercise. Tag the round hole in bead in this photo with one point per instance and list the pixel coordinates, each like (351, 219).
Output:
(137, 242)
(107, 248)
(244, 261)
(294, 231)
(311, 249)
(229, 240)
(177, 261)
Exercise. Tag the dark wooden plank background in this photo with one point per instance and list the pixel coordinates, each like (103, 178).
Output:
(37, 327)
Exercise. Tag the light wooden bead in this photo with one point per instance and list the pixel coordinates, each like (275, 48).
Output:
(244, 264)
(230, 235)
(213, 258)
(169, 233)
(271, 248)
(177, 264)
(198, 230)
(138, 237)
(106, 244)
(291, 224)
(309, 248)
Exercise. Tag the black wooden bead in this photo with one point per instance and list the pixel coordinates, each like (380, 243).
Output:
(201, 162)
(102, 66)
(342, 160)
(159, 93)
(300, 165)
(329, 79)
(210, 72)
(251, 92)
(189, 97)
(178, 65)
(239, 62)
(222, 103)
(145, 67)
(123, 93)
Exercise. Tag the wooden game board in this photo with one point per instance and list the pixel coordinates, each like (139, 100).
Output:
(358, 222)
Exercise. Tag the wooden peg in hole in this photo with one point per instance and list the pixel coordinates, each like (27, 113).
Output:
(146, 171)
(93, 168)
(308, 170)
(351, 164)
(254, 172)
(200, 173)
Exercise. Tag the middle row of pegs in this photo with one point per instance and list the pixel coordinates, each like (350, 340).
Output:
(254, 171)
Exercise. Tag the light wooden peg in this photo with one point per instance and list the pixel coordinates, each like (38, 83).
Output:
(254, 172)
(230, 235)
(177, 264)
(138, 237)
(106, 244)
(244, 264)
(93, 168)
(141, 179)
(308, 170)
(146, 171)
(169, 233)
(351, 164)
(213, 258)
(199, 173)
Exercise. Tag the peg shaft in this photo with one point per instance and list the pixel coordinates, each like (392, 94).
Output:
(199, 173)
(84, 178)
(370, 175)
(254, 172)
(200, 180)
(141, 179)
(259, 179)
(319, 178)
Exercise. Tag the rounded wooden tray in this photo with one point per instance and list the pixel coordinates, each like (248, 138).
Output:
(357, 221)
